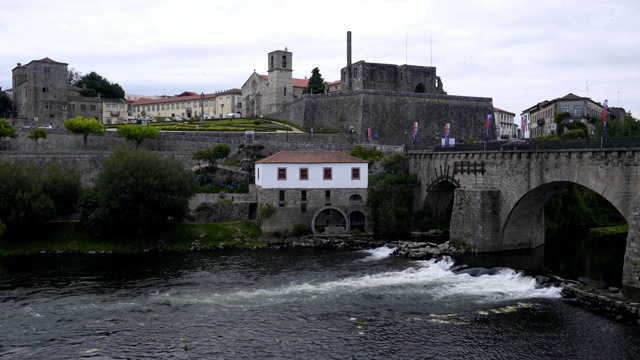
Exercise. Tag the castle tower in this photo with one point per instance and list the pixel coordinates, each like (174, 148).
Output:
(280, 90)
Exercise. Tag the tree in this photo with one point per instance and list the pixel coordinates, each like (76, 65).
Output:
(390, 198)
(316, 83)
(7, 131)
(6, 106)
(80, 125)
(211, 156)
(99, 84)
(74, 77)
(30, 197)
(63, 186)
(371, 155)
(37, 133)
(135, 191)
(138, 133)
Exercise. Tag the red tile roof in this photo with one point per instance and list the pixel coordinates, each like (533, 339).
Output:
(185, 97)
(310, 157)
(296, 82)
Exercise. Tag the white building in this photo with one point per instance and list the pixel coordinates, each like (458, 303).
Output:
(505, 121)
(325, 190)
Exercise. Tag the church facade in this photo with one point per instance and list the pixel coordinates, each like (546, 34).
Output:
(269, 94)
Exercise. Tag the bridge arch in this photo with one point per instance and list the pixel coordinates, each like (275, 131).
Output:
(438, 202)
(499, 206)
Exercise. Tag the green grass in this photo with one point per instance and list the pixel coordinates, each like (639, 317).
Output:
(610, 230)
(70, 237)
(218, 125)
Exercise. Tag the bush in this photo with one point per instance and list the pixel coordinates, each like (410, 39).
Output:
(30, 197)
(137, 190)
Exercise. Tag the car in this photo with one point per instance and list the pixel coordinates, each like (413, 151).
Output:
(166, 119)
(46, 127)
(175, 118)
(515, 144)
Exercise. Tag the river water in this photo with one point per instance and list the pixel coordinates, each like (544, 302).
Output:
(289, 304)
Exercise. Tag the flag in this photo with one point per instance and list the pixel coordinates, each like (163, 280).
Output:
(447, 127)
(415, 133)
(604, 117)
(487, 126)
(524, 125)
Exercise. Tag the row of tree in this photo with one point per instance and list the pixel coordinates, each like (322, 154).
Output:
(80, 125)
(135, 191)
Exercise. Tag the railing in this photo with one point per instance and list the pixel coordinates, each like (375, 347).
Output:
(578, 144)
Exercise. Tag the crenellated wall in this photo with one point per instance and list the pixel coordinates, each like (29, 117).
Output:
(499, 196)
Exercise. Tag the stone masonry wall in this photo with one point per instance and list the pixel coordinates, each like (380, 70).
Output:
(391, 114)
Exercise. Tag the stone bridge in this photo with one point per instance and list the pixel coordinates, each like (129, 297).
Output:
(495, 199)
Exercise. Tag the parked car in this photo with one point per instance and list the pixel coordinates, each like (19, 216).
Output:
(175, 118)
(46, 127)
(515, 144)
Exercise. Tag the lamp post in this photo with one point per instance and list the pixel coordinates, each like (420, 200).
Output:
(202, 107)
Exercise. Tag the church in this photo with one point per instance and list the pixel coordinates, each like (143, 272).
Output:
(268, 94)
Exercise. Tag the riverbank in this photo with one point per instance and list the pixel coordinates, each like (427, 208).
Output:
(70, 237)
(622, 306)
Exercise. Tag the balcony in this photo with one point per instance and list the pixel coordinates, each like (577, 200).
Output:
(115, 113)
(540, 121)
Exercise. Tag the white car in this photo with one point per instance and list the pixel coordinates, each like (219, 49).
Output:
(46, 127)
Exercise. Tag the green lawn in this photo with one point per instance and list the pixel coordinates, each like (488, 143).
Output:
(69, 237)
(260, 125)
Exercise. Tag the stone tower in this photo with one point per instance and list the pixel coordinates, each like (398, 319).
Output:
(280, 90)
(40, 91)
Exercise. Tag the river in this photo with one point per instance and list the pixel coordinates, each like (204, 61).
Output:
(289, 304)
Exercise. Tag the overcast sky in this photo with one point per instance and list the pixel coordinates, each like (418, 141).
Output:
(517, 52)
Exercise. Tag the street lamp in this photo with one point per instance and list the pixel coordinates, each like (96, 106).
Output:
(202, 107)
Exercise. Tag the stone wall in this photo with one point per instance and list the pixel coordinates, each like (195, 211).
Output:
(391, 114)
(290, 213)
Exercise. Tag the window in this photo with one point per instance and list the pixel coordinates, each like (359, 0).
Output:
(327, 196)
(64, 107)
(304, 174)
(576, 110)
(284, 61)
(73, 106)
(303, 195)
(271, 60)
(83, 107)
(282, 173)
(303, 208)
(47, 106)
(285, 91)
(258, 173)
(281, 198)
(326, 173)
(47, 70)
(45, 89)
(355, 197)
(355, 173)
(93, 107)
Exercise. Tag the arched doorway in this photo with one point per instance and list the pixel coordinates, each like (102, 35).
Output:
(357, 221)
(420, 88)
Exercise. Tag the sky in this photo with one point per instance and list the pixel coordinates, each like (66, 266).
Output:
(516, 52)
